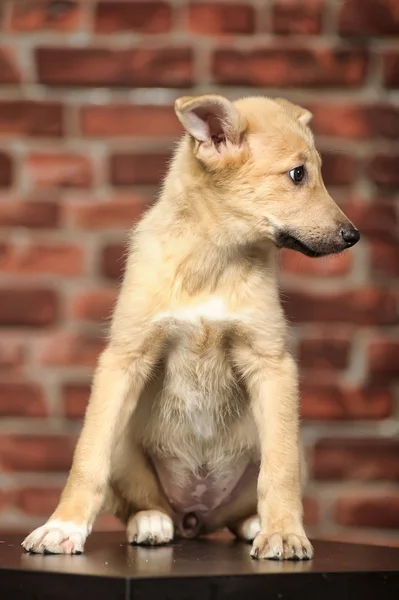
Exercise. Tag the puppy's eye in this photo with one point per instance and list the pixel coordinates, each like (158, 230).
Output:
(298, 174)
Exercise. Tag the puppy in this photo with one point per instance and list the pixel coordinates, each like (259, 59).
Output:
(192, 423)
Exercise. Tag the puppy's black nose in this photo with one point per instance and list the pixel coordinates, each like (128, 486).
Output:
(350, 235)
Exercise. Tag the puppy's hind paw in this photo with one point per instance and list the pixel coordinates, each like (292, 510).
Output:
(247, 529)
(150, 528)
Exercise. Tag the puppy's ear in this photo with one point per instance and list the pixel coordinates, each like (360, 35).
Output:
(210, 119)
(303, 115)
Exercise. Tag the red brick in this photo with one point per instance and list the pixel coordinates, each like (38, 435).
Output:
(94, 305)
(21, 399)
(26, 117)
(35, 214)
(338, 169)
(292, 66)
(297, 16)
(6, 496)
(322, 401)
(311, 513)
(377, 220)
(362, 306)
(369, 510)
(25, 452)
(216, 19)
(391, 68)
(146, 67)
(119, 212)
(360, 459)
(30, 307)
(75, 397)
(40, 501)
(36, 15)
(383, 170)
(113, 259)
(298, 264)
(369, 17)
(384, 358)
(59, 170)
(384, 258)
(143, 17)
(126, 120)
(49, 258)
(12, 353)
(355, 121)
(329, 350)
(134, 169)
(9, 69)
(6, 170)
(66, 349)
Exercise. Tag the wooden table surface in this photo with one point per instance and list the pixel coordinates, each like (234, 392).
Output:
(195, 569)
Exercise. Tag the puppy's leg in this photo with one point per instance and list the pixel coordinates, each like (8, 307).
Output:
(247, 528)
(272, 386)
(149, 520)
(117, 384)
(241, 516)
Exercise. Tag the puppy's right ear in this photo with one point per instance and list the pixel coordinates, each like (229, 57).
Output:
(210, 118)
(216, 126)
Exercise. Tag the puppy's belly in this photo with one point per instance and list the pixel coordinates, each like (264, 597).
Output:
(198, 430)
(201, 493)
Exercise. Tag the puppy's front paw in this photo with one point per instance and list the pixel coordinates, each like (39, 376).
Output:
(282, 546)
(150, 528)
(57, 537)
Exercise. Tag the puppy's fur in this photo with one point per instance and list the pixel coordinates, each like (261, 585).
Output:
(194, 403)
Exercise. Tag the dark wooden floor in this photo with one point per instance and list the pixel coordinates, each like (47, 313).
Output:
(201, 569)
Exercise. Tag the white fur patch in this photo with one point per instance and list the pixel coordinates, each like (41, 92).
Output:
(213, 309)
(150, 527)
(57, 537)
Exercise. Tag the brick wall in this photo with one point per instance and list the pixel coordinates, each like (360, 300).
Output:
(86, 126)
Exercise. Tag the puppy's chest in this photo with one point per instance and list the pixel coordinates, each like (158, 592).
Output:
(199, 330)
(199, 382)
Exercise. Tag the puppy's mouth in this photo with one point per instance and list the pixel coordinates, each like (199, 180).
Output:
(286, 239)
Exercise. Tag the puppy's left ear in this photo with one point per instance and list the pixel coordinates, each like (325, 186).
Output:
(303, 115)
(210, 119)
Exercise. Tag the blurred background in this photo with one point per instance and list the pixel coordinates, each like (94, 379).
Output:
(86, 128)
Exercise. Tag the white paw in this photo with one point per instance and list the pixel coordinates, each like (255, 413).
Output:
(249, 529)
(57, 537)
(150, 528)
(280, 546)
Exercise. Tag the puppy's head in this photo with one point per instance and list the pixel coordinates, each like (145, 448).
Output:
(257, 158)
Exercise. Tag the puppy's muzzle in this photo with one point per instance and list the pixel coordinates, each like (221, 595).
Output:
(319, 243)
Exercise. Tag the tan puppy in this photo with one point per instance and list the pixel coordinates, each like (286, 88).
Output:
(196, 388)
